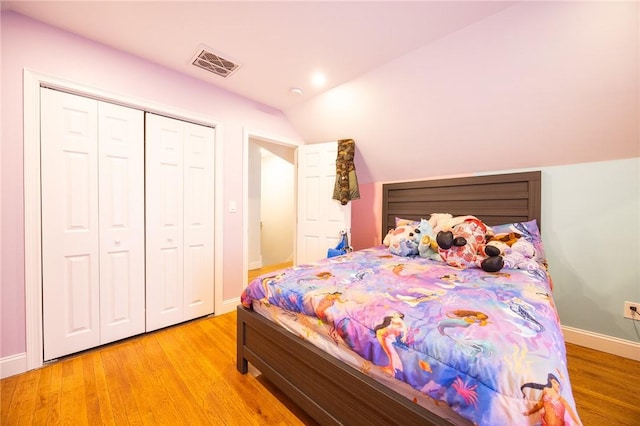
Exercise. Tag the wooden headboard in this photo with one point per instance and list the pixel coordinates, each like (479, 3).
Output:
(494, 199)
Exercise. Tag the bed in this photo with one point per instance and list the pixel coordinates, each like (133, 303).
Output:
(339, 379)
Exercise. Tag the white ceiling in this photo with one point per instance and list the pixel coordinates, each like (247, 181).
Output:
(279, 45)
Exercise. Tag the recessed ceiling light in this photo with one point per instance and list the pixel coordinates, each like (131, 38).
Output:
(296, 91)
(318, 79)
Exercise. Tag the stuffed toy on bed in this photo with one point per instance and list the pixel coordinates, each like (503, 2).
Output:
(465, 246)
(427, 244)
(519, 255)
(446, 221)
(403, 240)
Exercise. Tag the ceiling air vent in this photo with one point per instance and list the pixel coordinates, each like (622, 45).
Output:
(213, 62)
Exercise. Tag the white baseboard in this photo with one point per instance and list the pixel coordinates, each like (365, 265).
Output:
(256, 264)
(12, 365)
(603, 343)
(228, 305)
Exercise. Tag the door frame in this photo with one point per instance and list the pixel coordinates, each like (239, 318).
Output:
(32, 82)
(276, 140)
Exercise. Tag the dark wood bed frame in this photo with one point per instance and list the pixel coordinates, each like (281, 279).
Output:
(329, 390)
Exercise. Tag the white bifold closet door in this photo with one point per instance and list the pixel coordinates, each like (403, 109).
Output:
(92, 175)
(179, 220)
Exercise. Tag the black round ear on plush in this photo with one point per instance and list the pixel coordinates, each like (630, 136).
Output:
(492, 264)
(444, 239)
(492, 251)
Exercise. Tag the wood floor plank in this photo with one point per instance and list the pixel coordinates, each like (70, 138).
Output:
(24, 399)
(7, 389)
(43, 396)
(92, 401)
(53, 400)
(105, 406)
(141, 366)
(73, 403)
(123, 404)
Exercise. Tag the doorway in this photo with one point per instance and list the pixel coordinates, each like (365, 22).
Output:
(271, 205)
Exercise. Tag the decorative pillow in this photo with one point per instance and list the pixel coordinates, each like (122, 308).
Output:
(529, 231)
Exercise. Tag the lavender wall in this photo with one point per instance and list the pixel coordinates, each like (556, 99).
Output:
(30, 44)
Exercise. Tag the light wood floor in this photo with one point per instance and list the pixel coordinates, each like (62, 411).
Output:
(185, 375)
(182, 375)
(256, 272)
(605, 387)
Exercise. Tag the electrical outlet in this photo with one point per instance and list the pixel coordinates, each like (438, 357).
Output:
(628, 313)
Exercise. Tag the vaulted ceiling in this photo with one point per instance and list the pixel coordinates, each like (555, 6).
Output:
(278, 45)
(425, 88)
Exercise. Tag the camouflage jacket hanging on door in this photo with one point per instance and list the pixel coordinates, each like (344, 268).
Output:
(346, 181)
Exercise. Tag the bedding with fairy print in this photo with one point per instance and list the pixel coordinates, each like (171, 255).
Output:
(474, 340)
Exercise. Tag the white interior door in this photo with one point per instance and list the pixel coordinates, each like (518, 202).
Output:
(164, 221)
(320, 217)
(198, 220)
(180, 220)
(93, 222)
(70, 259)
(121, 198)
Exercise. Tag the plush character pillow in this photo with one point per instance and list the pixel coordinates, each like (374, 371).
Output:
(402, 241)
(464, 246)
(528, 231)
(427, 244)
(521, 255)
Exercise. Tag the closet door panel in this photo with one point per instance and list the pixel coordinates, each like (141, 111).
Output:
(198, 220)
(164, 221)
(122, 257)
(70, 264)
